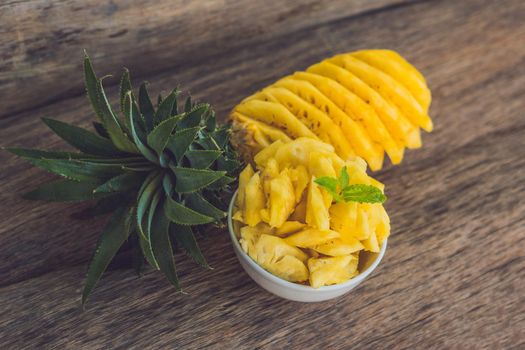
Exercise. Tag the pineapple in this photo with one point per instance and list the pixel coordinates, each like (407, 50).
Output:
(159, 170)
(365, 103)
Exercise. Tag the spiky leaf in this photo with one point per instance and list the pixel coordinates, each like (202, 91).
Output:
(186, 240)
(64, 191)
(113, 236)
(198, 203)
(146, 107)
(194, 117)
(103, 109)
(179, 142)
(158, 138)
(192, 180)
(161, 244)
(145, 195)
(183, 215)
(202, 159)
(165, 107)
(122, 183)
(82, 139)
(146, 152)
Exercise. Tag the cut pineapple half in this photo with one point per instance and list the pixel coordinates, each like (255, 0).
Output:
(364, 103)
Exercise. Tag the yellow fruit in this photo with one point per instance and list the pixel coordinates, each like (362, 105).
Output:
(282, 199)
(328, 271)
(399, 127)
(244, 177)
(363, 103)
(317, 214)
(395, 66)
(255, 201)
(299, 213)
(289, 227)
(298, 152)
(280, 258)
(357, 135)
(300, 180)
(275, 115)
(393, 92)
(311, 237)
(339, 247)
(262, 158)
(358, 110)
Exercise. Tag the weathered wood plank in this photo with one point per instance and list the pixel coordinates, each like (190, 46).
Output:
(41, 41)
(455, 266)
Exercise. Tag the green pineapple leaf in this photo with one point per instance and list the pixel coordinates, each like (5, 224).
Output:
(183, 215)
(64, 191)
(192, 180)
(198, 203)
(202, 159)
(186, 240)
(144, 198)
(82, 139)
(158, 138)
(179, 142)
(125, 86)
(165, 107)
(144, 150)
(102, 108)
(113, 236)
(194, 117)
(162, 250)
(122, 183)
(146, 107)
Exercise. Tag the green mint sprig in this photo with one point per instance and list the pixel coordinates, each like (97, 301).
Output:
(340, 189)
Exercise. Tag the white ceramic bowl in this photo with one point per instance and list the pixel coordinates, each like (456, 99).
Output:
(294, 291)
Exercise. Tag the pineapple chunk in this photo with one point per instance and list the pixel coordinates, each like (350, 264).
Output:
(249, 236)
(343, 217)
(371, 244)
(297, 152)
(289, 268)
(362, 230)
(338, 247)
(261, 159)
(383, 228)
(280, 258)
(317, 214)
(271, 248)
(328, 271)
(300, 179)
(282, 199)
(311, 237)
(244, 177)
(289, 227)
(254, 200)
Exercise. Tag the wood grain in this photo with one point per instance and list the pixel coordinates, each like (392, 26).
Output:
(42, 41)
(454, 271)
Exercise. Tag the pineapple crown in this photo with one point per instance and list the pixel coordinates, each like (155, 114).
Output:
(160, 171)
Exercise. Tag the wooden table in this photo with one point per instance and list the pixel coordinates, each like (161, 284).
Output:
(454, 272)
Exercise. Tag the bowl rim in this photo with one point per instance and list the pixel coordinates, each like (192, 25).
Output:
(291, 285)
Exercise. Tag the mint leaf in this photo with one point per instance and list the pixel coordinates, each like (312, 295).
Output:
(329, 183)
(363, 194)
(344, 178)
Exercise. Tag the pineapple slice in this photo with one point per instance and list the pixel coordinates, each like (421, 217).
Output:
(339, 247)
(334, 270)
(249, 236)
(280, 258)
(322, 166)
(244, 177)
(254, 195)
(343, 217)
(311, 237)
(261, 159)
(289, 227)
(282, 199)
(300, 179)
(383, 228)
(317, 214)
(298, 152)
